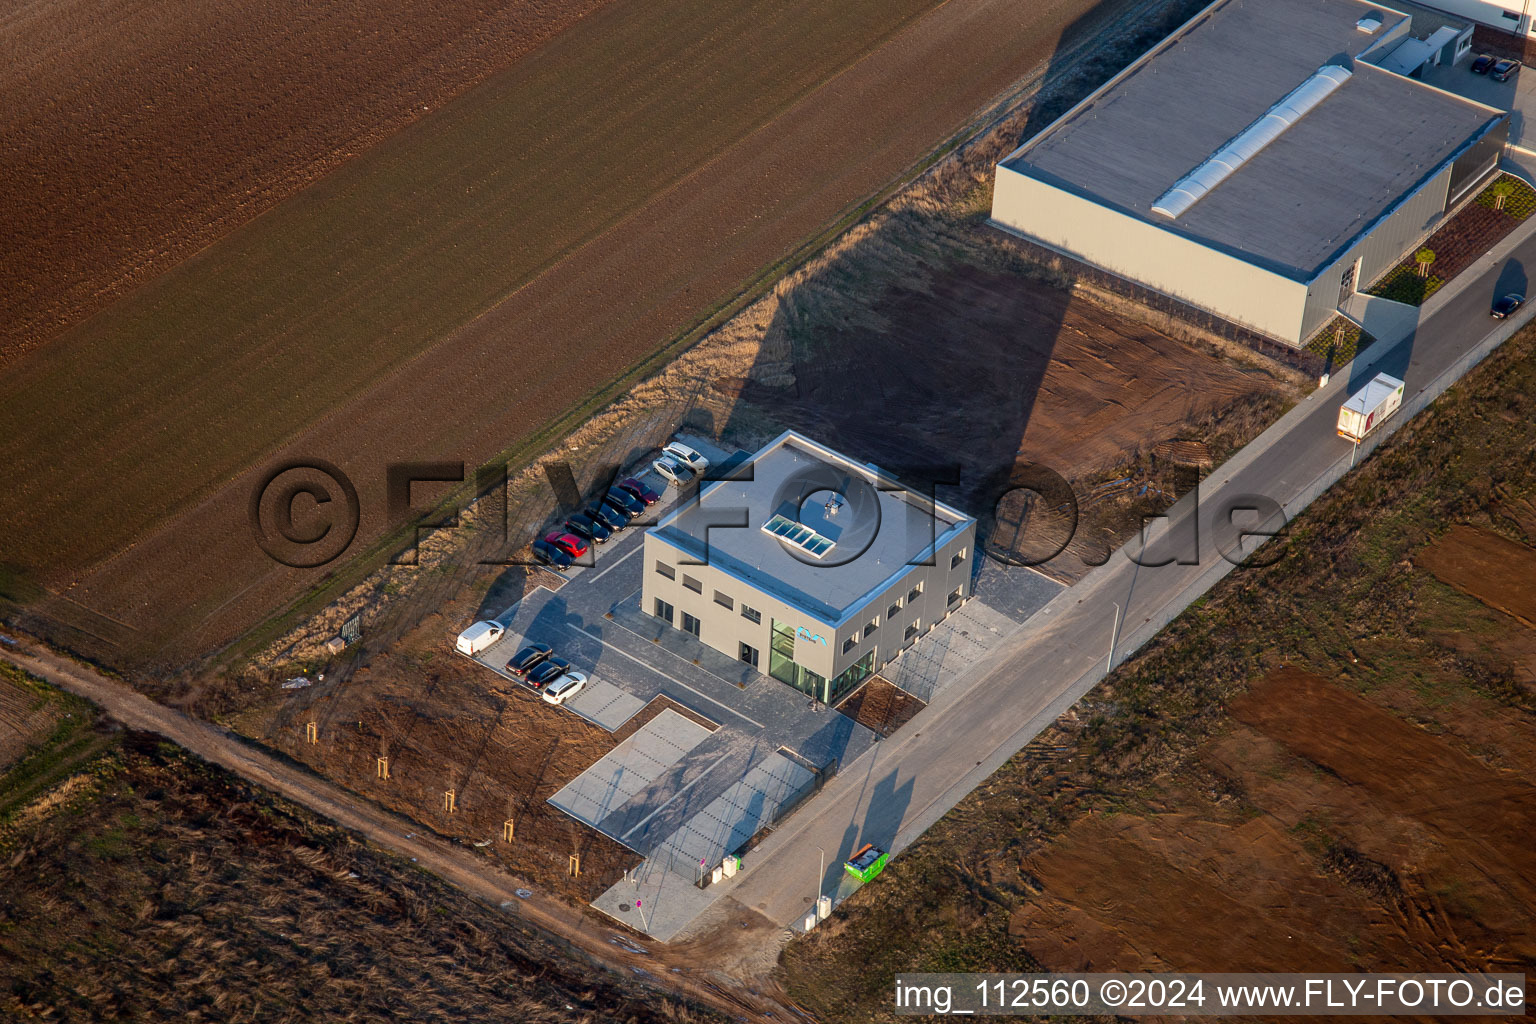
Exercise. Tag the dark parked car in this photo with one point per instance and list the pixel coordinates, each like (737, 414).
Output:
(609, 517)
(583, 525)
(1505, 305)
(637, 489)
(627, 503)
(547, 671)
(1483, 64)
(551, 555)
(568, 542)
(528, 658)
(1503, 69)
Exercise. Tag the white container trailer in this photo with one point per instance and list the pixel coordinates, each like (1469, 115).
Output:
(480, 636)
(1366, 409)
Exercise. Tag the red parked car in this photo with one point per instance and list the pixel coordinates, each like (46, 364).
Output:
(639, 490)
(567, 542)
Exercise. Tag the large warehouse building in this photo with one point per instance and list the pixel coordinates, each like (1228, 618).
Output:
(1512, 16)
(1258, 164)
(808, 566)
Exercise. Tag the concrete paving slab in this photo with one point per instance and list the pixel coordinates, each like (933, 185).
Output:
(736, 815)
(1015, 590)
(668, 902)
(629, 767)
(949, 648)
(605, 705)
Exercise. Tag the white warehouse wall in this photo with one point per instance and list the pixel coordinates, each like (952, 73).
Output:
(1494, 13)
(1414, 220)
(1150, 256)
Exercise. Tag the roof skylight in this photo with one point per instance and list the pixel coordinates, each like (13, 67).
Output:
(800, 535)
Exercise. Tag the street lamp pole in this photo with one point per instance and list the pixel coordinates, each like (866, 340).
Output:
(821, 871)
(1114, 637)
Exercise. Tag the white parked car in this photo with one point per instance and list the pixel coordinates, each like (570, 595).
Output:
(564, 688)
(480, 636)
(670, 469)
(686, 455)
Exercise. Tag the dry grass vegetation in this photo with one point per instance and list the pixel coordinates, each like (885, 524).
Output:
(163, 889)
(1324, 765)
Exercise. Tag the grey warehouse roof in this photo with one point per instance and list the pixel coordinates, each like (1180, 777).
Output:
(879, 530)
(1299, 200)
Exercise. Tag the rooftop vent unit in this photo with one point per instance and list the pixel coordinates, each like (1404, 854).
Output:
(800, 535)
(1191, 188)
(833, 504)
(1368, 24)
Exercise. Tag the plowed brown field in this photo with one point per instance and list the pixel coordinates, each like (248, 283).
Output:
(1434, 874)
(130, 140)
(1495, 570)
(577, 211)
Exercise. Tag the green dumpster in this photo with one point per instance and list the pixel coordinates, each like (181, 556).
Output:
(866, 862)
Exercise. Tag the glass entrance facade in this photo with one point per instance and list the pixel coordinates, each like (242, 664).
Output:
(783, 667)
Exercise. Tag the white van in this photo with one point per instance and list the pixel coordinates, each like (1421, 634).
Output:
(480, 636)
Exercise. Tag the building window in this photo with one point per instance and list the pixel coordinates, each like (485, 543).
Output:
(724, 600)
(692, 584)
(848, 644)
(957, 558)
(890, 612)
(690, 625)
(781, 653)
(954, 596)
(783, 667)
(852, 676)
(663, 611)
(870, 627)
(663, 569)
(748, 654)
(911, 630)
(915, 592)
(751, 614)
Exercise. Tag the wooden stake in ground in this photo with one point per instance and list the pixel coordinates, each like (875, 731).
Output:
(312, 732)
(575, 865)
(448, 800)
(508, 830)
(383, 768)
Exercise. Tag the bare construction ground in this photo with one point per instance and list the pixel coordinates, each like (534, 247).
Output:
(340, 314)
(444, 722)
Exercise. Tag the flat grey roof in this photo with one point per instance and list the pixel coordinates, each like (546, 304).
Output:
(879, 530)
(1303, 197)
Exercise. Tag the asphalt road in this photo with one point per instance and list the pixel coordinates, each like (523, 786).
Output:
(892, 794)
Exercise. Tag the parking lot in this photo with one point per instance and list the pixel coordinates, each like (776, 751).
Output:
(684, 795)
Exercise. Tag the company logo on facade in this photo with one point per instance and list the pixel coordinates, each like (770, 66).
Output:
(801, 631)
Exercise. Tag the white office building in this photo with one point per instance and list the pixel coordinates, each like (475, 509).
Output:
(810, 566)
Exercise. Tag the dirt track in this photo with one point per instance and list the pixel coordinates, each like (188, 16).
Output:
(384, 829)
(195, 580)
(129, 142)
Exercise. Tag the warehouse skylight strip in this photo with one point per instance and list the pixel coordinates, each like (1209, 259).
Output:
(1191, 188)
(798, 534)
